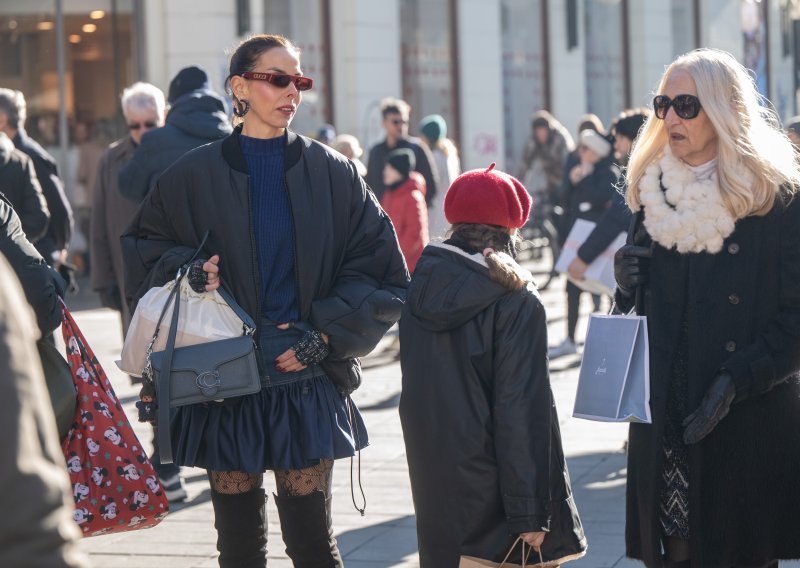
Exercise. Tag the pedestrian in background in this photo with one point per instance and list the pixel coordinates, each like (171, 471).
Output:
(404, 203)
(617, 216)
(196, 116)
(350, 148)
(793, 132)
(589, 191)
(37, 528)
(479, 422)
(395, 113)
(302, 246)
(143, 104)
(548, 145)
(445, 156)
(716, 254)
(18, 183)
(55, 242)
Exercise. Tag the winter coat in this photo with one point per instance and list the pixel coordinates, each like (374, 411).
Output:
(552, 157)
(405, 206)
(614, 220)
(350, 274)
(59, 231)
(42, 285)
(37, 528)
(448, 167)
(424, 160)
(111, 215)
(194, 119)
(742, 308)
(482, 436)
(19, 184)
(589, 198)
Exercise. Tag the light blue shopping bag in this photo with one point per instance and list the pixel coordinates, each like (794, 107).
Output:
(614, 381)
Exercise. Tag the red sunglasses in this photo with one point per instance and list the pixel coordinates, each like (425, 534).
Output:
(281, 80)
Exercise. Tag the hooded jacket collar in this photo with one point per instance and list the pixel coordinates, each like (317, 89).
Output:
(232, 150)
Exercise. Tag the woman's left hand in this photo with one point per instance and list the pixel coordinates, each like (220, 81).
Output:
(287, 361)
(533, 539)
(577, 269)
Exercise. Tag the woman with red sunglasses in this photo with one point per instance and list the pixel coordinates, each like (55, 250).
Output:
(298, 240)
(713, 261)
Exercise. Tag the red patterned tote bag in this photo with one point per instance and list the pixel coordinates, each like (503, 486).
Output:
(113, 482)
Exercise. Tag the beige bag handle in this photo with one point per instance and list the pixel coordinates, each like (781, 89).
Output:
(524, 556)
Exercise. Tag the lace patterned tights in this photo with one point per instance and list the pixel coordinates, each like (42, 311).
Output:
(289, 482)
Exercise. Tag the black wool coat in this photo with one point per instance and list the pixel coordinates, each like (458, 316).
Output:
(19, 185)
(742, 307)
(480, 426)
(350, 275)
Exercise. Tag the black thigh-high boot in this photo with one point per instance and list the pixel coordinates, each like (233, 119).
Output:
(240, 520)
(307, 530)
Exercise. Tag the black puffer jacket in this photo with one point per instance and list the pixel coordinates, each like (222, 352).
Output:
(19, 184)
(59, 231)
(42, 285)
(194, 119)
(480, 426)
(350, 275)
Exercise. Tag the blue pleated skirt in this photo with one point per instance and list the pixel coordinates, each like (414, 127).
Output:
(295, 420)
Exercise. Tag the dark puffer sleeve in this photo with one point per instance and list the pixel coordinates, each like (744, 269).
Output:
(370, 286)
(523, 406)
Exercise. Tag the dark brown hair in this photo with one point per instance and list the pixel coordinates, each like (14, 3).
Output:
(502, 268)
(246, 56)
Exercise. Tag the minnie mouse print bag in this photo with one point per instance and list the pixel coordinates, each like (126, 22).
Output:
(113, 483)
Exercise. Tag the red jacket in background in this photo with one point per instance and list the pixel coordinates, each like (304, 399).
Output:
(409, 214)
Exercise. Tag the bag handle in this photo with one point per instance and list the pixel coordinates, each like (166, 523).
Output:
(524, 555)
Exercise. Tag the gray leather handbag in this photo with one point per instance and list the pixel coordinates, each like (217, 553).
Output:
(202, 373)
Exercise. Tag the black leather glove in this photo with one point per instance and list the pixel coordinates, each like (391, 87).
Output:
(714, 407)
(110, 298)
(69, 272)
(632, 268)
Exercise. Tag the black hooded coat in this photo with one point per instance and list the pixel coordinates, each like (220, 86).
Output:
(479, 421)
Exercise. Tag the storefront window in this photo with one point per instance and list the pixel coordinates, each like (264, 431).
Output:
(426, 60)
(303, 21)
(98, 55)
(523, 73)
(605, 72)
(754, 36)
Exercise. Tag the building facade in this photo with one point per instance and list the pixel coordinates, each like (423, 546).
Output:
(485, 65)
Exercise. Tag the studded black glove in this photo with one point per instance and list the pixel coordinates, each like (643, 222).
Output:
(631, 268)
(311, 348)
(197, 277)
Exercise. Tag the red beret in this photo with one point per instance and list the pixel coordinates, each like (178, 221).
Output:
(488, 197)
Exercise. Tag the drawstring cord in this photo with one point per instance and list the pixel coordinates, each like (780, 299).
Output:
(351, 420)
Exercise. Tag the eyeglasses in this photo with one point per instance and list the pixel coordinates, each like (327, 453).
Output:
(139, 125)
(685, 106)
(399, 121)
(281, 80)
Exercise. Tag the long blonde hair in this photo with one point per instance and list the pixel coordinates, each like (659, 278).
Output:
(749, 136)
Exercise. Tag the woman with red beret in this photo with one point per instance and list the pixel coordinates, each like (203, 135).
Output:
(479, 422)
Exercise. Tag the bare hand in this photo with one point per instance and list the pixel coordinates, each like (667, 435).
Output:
(533, 539)
(212, 273)
(287, 362)
(576, 174)
(577, 269)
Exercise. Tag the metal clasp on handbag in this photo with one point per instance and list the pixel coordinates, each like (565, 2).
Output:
(208, 383)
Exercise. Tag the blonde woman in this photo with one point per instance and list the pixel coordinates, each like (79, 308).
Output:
(716, 255)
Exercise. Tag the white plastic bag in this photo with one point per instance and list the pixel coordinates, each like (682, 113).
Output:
(599, 276)
(202, 317)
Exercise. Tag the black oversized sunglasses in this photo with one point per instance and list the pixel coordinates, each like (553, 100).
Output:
(685, 106)
(281, 80)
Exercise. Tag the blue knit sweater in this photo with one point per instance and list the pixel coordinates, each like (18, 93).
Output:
(273, 227)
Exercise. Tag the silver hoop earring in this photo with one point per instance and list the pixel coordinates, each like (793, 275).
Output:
(242, 110)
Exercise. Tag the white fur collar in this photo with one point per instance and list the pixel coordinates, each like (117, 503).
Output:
(690, 214)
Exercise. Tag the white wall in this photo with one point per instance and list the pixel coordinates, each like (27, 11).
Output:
(781, 80)
(721, 26)
(650, 48)
(567, 68)
(366, 64)
(481, 84)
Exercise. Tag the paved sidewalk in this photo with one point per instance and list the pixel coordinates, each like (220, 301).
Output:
(385, 537)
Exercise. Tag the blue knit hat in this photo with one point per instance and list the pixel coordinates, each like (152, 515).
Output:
(433, 127)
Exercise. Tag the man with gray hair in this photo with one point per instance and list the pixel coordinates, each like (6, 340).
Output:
(53, 245)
